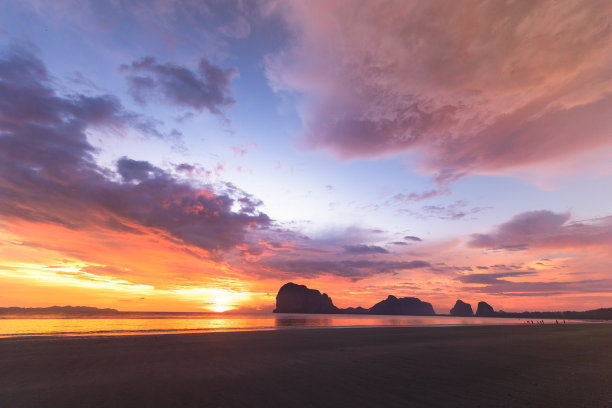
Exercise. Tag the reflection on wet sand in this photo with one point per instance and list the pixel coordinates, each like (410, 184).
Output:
(303, 322)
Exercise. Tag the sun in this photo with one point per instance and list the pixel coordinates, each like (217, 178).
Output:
(221, 301)
(216, 300)
(220, 308)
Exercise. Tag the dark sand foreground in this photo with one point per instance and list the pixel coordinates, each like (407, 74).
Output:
(520, 366)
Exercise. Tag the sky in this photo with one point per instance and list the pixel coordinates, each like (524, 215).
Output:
(182, 155)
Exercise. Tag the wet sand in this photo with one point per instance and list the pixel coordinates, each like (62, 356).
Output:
(486, 366)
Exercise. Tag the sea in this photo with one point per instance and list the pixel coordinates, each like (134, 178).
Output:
(128, 323)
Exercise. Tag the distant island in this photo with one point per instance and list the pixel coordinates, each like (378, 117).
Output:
(59, 310)
(294, 298)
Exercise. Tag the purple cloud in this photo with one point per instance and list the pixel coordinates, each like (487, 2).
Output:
(546, 229)
(49, 174)
(495, 284)
(355, 270)
(521, 230)
(365, 249)
(205, 88)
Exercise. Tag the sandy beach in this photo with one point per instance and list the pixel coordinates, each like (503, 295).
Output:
(486, 366)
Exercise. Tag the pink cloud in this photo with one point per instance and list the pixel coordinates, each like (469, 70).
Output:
(474, 87)
(219, 168)
(239, 151)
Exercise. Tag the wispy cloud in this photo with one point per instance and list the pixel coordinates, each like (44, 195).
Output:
(425, 195)
(455, 211)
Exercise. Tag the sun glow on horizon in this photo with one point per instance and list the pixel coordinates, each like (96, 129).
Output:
(71, 276)
(215, 300)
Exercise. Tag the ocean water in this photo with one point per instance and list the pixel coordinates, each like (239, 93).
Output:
(160, 323)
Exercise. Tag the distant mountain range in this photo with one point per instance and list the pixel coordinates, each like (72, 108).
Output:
(60, 310)
(294, 298)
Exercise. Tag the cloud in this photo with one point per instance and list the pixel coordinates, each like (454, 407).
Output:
(50, 177)
(495, 283)
(421, 196)
(472, 87)
(203, 25)
(489, 278)
(137, 171)
(412, 238)
(455, 211)
(442, 267)
(334, 254)
(239, 151)
(205, 88)
(515, 233)
(355, 270)
(546, 229)
(364, 249)
(49, 174)
(237, 28)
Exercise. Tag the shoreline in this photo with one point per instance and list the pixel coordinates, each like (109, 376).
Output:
(87, 327)
(53, 336)
(459, 366)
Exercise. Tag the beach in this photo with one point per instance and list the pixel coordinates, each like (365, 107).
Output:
(486, 366)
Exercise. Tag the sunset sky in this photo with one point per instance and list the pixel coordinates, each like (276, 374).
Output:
(182, 155)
